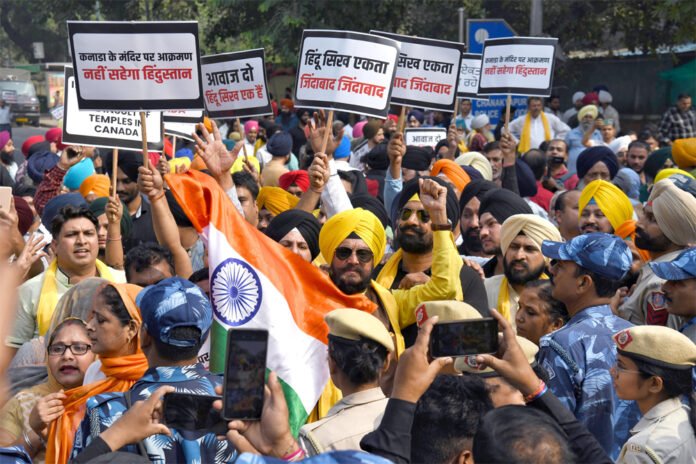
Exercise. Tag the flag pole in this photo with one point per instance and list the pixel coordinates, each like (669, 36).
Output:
(146, 158)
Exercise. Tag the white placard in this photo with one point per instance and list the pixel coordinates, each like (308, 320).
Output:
(109, 129)
(136, 65)
(519, 65)
(427, 72)
(234, 84)
(348, 71)
(424, 137)
(469, 73)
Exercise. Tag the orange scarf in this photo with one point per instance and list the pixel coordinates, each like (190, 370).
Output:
(121, 373)
(627, 231)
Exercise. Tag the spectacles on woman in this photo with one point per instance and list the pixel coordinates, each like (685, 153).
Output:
(78, 349)
(617, 368)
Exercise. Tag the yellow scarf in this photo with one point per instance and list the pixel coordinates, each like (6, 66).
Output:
(504, 297)
(391, 267)
(526, 136)
(48, 299)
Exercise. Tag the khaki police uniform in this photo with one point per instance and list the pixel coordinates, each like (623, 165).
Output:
(646, 304)
(346, 423)
(663, 435)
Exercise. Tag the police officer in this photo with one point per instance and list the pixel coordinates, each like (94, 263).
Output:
(359, 345)
(680, 289)
(653, 368)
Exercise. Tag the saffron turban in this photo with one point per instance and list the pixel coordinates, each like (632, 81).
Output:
(684, 152)
(675, 212)
(452, 171)
(299, 178)
(276, 200)
(611, 201)
(532, 226)
(98, 184)
(354, 221)
(477, 161)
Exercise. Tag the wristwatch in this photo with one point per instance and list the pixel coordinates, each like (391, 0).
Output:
(435, 227)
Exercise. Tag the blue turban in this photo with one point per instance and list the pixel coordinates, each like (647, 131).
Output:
(40, 163)
(280, 144)
(78, 173)
(55, 204)
(593, 155)
(343, 149)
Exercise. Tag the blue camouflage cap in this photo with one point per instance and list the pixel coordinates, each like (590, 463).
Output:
(681, 268)
(604, 254)
(171, 303)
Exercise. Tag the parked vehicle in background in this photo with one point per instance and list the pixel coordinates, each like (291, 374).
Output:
(17, 90)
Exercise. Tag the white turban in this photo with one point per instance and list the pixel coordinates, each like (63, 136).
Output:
(588, 109)
(532, 226)
(477, 161)
(675, 212)
(620, 143)
(480, 121)
(578, 96)
(604, 97)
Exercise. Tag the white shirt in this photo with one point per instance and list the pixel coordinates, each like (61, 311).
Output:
(558, 129)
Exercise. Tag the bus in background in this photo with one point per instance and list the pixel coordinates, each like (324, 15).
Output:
(17, 90)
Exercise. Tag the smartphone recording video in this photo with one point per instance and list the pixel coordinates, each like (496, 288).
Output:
(463, 338)
(184, 411)
(245, 373)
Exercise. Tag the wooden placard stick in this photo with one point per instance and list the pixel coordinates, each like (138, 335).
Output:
(146, 158)
(114, 168)
(402, 120)
(241, 131)
(508, 103)
(173, 146)
(328, 131)
(456, 108)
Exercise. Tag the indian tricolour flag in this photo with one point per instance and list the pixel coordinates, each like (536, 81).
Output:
(256, 283)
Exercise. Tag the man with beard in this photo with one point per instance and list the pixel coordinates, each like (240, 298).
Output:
(667, 227)
(496, 206)
(469, 203)
(586, 135)
(7, 149)
(138, 205)
(636, 156)
(353, 243)
(521, 236)
(420, 259)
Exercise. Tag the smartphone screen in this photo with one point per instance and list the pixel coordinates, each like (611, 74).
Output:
(245, 373)
(184, 411)
(462, 338)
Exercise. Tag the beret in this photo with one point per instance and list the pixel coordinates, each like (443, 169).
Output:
(658, 345)
(352, 324)
(446, 310)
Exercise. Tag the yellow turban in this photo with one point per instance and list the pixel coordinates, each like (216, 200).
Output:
(239, 163)
(675, 212)
(175, 162)
(98, 184)
(611, 200)
(359, 221)
(669, 172)
(684, 152)
(588, 109)
(477, 161)
(276, 200)
(532, 226)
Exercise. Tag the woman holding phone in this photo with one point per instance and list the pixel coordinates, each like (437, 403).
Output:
(25, 418)
(113, 329)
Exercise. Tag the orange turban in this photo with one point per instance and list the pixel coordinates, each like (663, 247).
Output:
(684, 153)
(276, 200)
(98, 184)
(454, 173)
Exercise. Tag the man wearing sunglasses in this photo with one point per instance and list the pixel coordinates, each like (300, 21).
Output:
(427, 252)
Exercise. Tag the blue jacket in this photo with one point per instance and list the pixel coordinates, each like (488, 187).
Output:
(183, 446)
(577, 359)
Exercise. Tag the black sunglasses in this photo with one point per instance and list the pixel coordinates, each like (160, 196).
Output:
(423, 215)
(364, 256)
